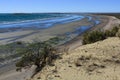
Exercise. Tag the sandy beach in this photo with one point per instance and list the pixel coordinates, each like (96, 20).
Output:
(29, 35)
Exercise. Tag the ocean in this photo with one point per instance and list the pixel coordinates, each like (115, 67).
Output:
(39, 20)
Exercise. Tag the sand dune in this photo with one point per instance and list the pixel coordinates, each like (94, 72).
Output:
(98, 61)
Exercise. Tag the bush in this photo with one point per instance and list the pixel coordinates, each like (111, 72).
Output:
(94, 36)
(19, 43)
(38, 54)
(113, 31)
(108, 33)
(118, 33)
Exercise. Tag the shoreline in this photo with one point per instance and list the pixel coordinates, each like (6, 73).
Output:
(107, 22)
(77, 41)
(31, 33)
(63, 28)
(55, 31)
(40, 23)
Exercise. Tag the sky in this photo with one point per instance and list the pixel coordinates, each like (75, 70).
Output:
(41, 6)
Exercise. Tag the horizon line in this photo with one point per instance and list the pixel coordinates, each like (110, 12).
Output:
(55, 12)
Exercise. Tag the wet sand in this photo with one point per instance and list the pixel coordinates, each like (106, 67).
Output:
(30, 34)
(107, 22)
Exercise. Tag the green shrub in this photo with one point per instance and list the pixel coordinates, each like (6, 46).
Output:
(114, 31)
(19, 43)
(118, 33)
(54, 40)
(108, 33)
(94, 36)
(38, 54)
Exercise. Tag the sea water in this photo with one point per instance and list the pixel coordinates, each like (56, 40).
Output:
(39, 20)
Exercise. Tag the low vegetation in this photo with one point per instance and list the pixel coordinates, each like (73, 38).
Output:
(118, 33)
(28, 54)
(8, 51)
(54, 41)
(44, 53)
(89, 63)
(39, 54)
(91, 37)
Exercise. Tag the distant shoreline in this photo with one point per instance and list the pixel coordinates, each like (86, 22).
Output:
(30, 33)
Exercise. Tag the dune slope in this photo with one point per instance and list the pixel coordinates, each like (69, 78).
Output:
(97, 61)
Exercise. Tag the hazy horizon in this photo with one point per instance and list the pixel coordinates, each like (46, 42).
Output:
(55, 12)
